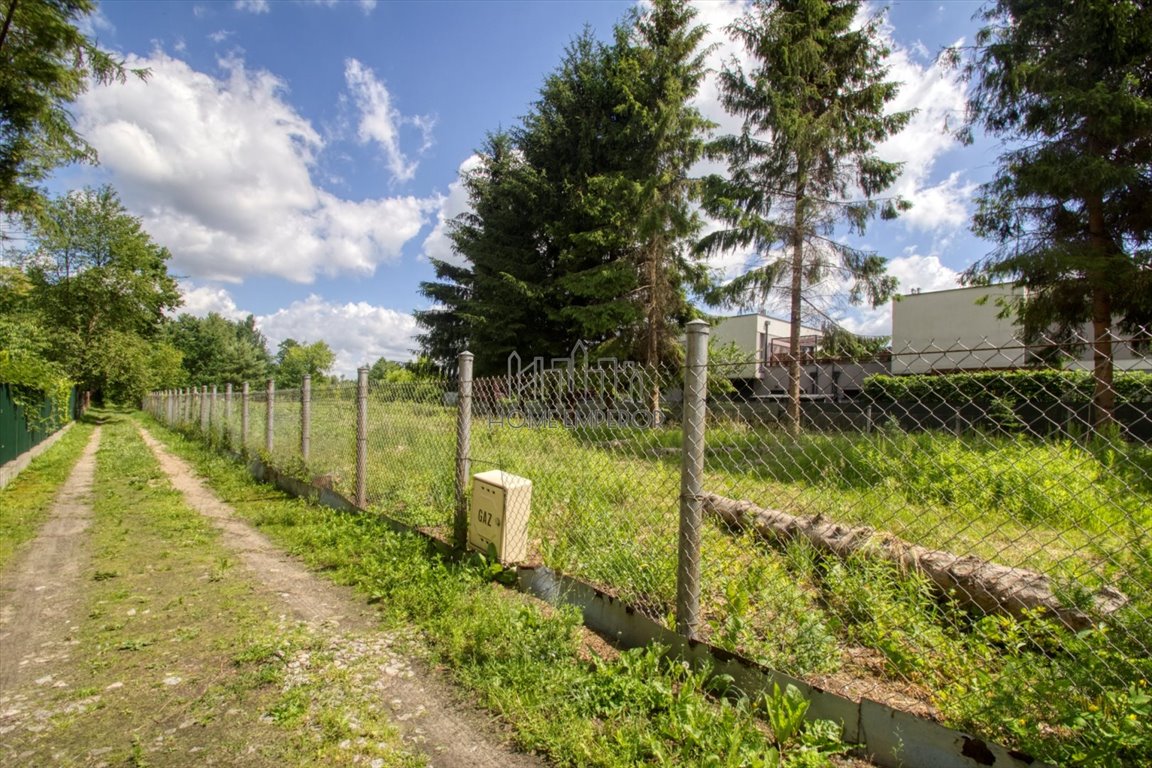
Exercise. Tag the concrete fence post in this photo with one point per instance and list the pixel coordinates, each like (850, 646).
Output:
(171, 407)
(213, 414)
(228, 414)
(270, 417)
(463, 448)
(305, 418)
(244, 391)
(204, 410)
(362, 437)
(691, 480)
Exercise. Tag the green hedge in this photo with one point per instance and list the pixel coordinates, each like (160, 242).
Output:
(1039, 388)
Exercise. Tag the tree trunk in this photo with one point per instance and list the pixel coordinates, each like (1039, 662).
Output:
(7, 23)
(794, 330)
(1103, 395)
(974, 583)
(653, 351)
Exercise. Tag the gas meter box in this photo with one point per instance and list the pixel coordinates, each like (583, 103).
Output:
(499, 515)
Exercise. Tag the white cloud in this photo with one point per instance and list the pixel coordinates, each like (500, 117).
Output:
(938, 96)
(437, 245)
(252, 6)
(939, 207)
(380, 121)
(93, 23)
(220, 35)
(357, 332)
(221, 172)
(724, 51)
(200, 300)
(367, 6)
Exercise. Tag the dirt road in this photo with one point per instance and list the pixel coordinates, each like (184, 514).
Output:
(425, 709)
(133, 632)
(39, 594)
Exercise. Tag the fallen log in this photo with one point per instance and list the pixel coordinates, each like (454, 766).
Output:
(971, 581)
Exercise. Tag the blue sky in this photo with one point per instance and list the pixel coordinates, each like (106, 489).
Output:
(300, 159)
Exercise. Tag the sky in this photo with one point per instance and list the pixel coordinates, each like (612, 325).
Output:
(300, 160)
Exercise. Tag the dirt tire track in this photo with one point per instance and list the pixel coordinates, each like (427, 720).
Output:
(425, 708)
(39, 593)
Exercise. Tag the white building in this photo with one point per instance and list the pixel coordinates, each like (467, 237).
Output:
(764, 342)
(961, 329)
(759, 337)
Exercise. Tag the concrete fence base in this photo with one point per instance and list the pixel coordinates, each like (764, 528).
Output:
(9, 471)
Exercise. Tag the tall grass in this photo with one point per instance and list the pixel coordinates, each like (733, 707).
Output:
(605, 508)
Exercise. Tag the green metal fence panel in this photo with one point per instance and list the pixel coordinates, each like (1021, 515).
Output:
(19, 433)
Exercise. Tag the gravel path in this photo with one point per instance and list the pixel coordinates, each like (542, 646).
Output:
(39, 591)
(428, 712)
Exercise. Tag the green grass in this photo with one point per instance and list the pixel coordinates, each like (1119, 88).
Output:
(180, 659)
(26, 501)
(605, 507)
(528, 662)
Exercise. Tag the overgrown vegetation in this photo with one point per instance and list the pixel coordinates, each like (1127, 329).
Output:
(1039, 389)
(529, 662)
(605, 506)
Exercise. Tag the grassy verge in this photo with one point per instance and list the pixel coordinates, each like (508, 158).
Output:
(532, 664)
(25, 502)
(182, 661)
(600, 512)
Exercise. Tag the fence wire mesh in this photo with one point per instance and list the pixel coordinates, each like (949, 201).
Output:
(946, 531)
(962, 531)
(604, 468)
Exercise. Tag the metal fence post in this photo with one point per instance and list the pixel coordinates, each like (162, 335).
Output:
(244, 416)
(463, 448)
(269, 417)
(305, 417)
(691, 480)
(362, 437)
(228, 414)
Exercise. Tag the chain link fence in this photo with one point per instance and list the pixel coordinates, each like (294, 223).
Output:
(959, 531)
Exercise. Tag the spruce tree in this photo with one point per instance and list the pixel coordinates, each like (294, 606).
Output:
(1069, 88)
(813, 105)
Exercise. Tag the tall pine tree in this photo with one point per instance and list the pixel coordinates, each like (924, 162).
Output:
(814, 109)
(494, 301)
(581, 217)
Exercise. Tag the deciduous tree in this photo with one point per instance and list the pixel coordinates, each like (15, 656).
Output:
(295, 360)
(101, 286)
(45, 63)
